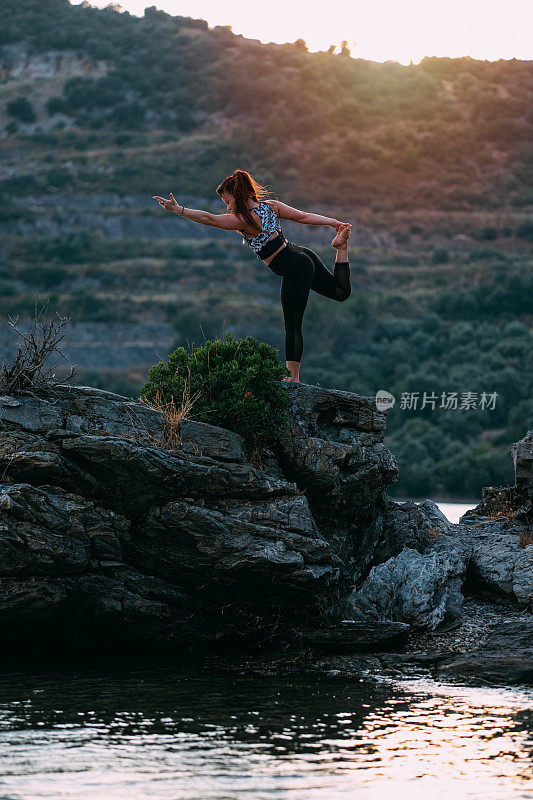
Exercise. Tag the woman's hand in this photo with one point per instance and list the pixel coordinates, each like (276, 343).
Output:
(168, 205)
(337, 225)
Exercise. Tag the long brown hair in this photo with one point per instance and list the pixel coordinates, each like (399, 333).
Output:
(242, 186)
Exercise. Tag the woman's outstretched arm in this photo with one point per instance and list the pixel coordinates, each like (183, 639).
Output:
(305, 217)
(228, 222)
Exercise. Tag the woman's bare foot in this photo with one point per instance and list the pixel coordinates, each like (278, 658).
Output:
(342, 236)
(294, 369)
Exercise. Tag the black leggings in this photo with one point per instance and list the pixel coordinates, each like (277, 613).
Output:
(302, 269)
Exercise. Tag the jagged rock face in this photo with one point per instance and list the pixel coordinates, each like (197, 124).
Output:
(500, 529)
(398, 525)
(332, 447)
(55, 532)
(104, 524)
(268, 553)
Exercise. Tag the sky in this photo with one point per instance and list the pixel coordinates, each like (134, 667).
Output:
(377, 30)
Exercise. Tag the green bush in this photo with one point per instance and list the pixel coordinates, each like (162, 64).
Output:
(55, 105)
(486, 253)
(440, 255)
(43, 276)
(489, 233)
(22, 109)
(74, 245)
(236, 383)
(525, 230)
(44, 138)
(8, 288)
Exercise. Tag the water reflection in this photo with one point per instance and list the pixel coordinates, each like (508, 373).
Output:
(132, 731)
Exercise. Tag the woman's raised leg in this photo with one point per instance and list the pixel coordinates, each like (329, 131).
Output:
(336, 284)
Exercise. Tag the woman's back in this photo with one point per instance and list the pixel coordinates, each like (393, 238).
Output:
(270, 224)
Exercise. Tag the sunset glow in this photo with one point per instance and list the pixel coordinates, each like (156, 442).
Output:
(378, 30)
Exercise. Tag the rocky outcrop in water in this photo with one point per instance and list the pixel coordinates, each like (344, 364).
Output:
(107, 532)
(424, 583)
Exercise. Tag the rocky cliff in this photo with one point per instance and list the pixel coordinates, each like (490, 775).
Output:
(107, 533)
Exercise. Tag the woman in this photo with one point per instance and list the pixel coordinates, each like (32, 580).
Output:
(258, 221)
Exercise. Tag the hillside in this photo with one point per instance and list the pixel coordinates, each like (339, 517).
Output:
(450, 133)
(432, 163)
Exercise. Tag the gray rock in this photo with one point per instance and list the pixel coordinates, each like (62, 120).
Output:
(500, 529)
(126, 476)
(29, 458)
(131, 606)
(506, 657)
(498, 560)
(332, 446)
(54, 532)
(106, 530)
(406, 524)
(265, 553)
(201, 439)
(81, 409)
(356, 637)
(131, 531)
(523, 576)
(515, 502)
(522, 453)
(33, 600)
(120, 606)
(129, 477)
(422, 589)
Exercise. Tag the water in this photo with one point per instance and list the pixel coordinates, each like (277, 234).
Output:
(453, 511)
(132, 732)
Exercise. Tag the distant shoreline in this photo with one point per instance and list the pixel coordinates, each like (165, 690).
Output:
(466, 501)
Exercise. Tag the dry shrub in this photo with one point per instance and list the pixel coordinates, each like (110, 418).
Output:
(526, 538)
(174, 414)
(500, 505)
(27, 371)
(256, 458)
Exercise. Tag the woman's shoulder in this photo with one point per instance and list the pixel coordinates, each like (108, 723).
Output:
(269, 207)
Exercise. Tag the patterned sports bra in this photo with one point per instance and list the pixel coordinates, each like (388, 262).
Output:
(270, 222)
